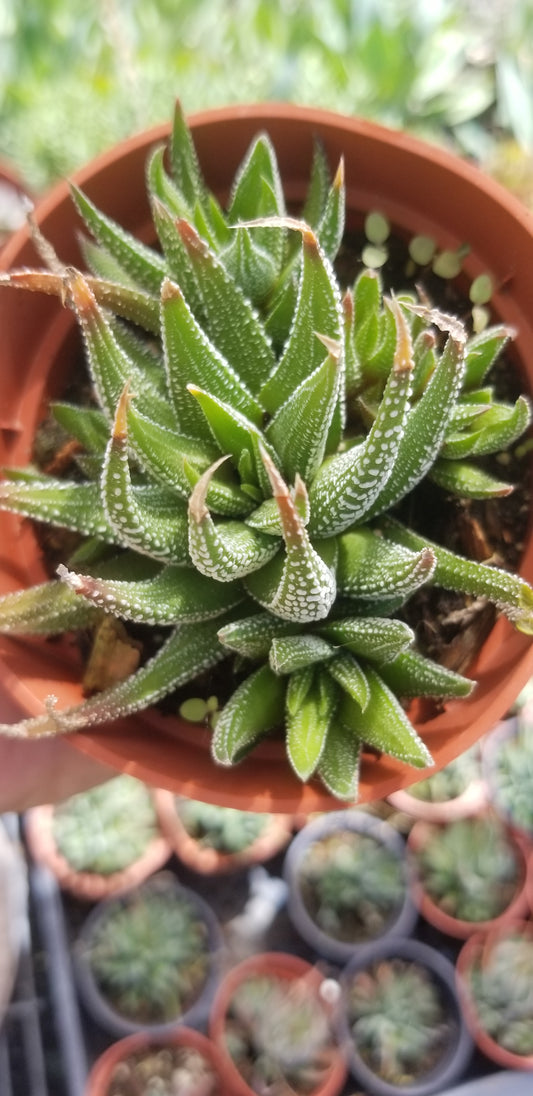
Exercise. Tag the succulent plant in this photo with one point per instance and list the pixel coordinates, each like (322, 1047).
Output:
(107, 828)
(510, 773)
(279, 1034)
(452, 780)
(238, 475)
(501, 985)
(222, 828)
(351, 885)
(398, 1019)
(148, 951)
(469, 867)
(161, 1070)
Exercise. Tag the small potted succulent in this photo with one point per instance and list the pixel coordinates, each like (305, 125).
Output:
(455, 791)
(184, 1063)
(468, 874)
(272, 1020)
(402, 1020)
(508, 766)
(212, 839)
(495, 981)
(99, 842)
(240, 477)
(348, 882)
(148, 958)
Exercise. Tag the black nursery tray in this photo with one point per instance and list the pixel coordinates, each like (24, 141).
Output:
(48, 1042)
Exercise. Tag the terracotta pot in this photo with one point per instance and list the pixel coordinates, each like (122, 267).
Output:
(96, 1001)
(421, 189)
(455, 1057)
(467, 803)
(276, 965)
(419, 837)
(88, 886)
(401, 921)
(477, 949)
(209, 861)
(102, 1071)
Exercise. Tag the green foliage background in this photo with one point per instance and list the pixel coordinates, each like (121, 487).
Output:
(75, 78)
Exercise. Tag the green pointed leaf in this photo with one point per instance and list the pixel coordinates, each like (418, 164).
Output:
(307, 728)
(110, 366)
(425, 360)
(258, 193)
(267, 518)
(228, 550)
(256, 707)
(367, 297)
(155, 524)
(252, 637)
(369, 637)
(347, 672)
(352, 368)
(299, 430)
(250, 265)
(340, 762)
(132, 304)
(235, 434)
(289, 653)
(184, 161)
(347, 486)
(330, 230)
(144, 265)
(426, 425)
(232, 322)
(297, 584)
(410, 675)
(318, 189)
(481, 353)
(191, 359)
(509, 592)
(467, 480)
(47, 609)
(163, 188)
(177, 259)
(88, 426)
(61, 503)
(384, 724)
(492, 431)
(189, 651)
(370, 566)
(318, 309)
(177, 595)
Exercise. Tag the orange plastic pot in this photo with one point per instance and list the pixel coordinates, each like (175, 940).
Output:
(288, 967)
(210, 861)
(89, 886)
(104, 1067)
(476, 951)
(422, 189)
(419, 837)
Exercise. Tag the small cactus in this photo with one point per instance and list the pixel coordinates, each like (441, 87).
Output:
(238, 477)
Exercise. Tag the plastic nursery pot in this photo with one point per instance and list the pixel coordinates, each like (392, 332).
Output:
(94, 996)
(469, 801)
(422, 190)
(433, 912)
(455, 1052)
(477, 953)
(289, 968)
(510, 792)
(398, 913)
(91, 886)
(205, 859)
(132, 1046)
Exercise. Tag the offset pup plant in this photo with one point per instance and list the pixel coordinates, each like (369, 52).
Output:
(238, 477)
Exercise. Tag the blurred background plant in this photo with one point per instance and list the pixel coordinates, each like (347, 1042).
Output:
(75, 78)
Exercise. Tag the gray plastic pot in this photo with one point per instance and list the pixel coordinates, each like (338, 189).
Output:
(456, 1056)
(402, 919)
(95, 1000)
